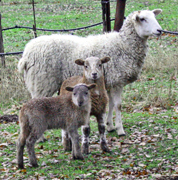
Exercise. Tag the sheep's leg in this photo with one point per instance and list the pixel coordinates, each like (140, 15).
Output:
(66, 141)
(76, 151)
(30, 143)
(116, 97)
(20, 148)
(85, 139)
(101, 128)
(109, 121)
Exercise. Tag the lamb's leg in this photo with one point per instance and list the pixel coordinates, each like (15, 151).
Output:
(85, 139)
(76, 151)
(109, 121)
(101, 128)
(41, 139)
(116, 97)
(30, 142)
(20, 148)
(66, 141)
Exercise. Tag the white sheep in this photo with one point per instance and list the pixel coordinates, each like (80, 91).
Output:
(68, 112)
(48, 60)
(93, 73)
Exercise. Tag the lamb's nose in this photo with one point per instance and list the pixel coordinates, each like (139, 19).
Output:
(80, 103)
(94, 75)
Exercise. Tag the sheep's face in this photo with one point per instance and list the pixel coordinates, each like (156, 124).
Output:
(81, 94)
(93, 67)
(146, 23)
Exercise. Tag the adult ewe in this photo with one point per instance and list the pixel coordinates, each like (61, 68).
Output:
(48, 60)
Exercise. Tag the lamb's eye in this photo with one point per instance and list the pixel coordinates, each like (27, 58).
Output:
(142, 19)
(100, 65)
(86, 93)
(75, 94)
(86, 67)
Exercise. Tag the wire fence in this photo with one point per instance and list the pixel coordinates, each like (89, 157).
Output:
(63, 12)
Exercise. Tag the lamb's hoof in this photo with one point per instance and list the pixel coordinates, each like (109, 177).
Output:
(78, 157)
(20, 166)
(67, 145)
(68, 149)
(104, 147)
(85, 149)
(35, 165)
(41, 140)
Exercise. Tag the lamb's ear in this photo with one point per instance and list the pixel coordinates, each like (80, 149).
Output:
(69, 88)
(80, 62)
(105, 60)
(91, 86)
(157, 11)
(137, 18)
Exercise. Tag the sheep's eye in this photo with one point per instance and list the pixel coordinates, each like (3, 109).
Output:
(86, 67)
(75, 94)
(100, 65)
(86, 93)
(142, 19)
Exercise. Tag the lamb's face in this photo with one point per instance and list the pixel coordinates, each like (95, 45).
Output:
(93, 67)
(81, 94)
(146, 23)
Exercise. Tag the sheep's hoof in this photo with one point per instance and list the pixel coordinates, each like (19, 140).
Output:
(112, 130)
(120, 132)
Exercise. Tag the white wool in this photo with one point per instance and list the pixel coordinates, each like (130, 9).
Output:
(48, 60)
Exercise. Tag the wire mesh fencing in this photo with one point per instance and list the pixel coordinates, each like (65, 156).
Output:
(69, 15)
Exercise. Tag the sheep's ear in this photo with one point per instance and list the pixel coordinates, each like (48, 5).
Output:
(91, 86)
(69, 88)
(157, 11)
(105, 60)
(80, 62)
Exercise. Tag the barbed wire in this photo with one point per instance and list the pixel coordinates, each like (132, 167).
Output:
(56, 30)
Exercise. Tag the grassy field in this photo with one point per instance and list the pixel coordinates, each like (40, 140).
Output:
(150, 105)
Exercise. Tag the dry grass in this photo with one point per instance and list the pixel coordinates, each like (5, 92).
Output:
(12, 87)
(157, 85)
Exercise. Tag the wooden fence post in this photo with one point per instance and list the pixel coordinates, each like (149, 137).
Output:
(106, 15)
(34, 18)
(119, 17)
(1, 45)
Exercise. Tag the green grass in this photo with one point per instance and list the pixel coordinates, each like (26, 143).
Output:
(149, 104)
(147, 149)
